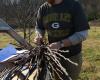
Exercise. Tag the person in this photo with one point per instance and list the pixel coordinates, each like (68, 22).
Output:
(67, 27)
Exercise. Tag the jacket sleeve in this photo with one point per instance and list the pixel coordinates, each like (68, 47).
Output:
(78, 37)
(39, 22)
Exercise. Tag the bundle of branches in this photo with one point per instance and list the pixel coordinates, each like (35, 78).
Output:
(42, 60)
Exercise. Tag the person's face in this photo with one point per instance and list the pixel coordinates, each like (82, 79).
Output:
(51, 1)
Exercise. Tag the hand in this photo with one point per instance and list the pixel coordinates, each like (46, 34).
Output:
(38, 40)
(55, 45)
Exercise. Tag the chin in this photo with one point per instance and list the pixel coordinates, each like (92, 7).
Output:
(51, 1)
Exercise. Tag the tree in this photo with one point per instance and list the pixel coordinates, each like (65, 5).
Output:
(92, 8)
(24, 12)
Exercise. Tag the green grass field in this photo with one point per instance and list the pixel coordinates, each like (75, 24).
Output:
(91, 54)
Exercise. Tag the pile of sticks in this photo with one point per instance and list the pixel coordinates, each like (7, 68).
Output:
(44, 61)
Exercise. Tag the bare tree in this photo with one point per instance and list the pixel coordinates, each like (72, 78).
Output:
(92, 8)
(24, 12)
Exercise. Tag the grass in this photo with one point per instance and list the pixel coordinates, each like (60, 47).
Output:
(91, 54)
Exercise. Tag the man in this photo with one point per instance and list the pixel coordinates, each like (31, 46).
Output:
(66, 26)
